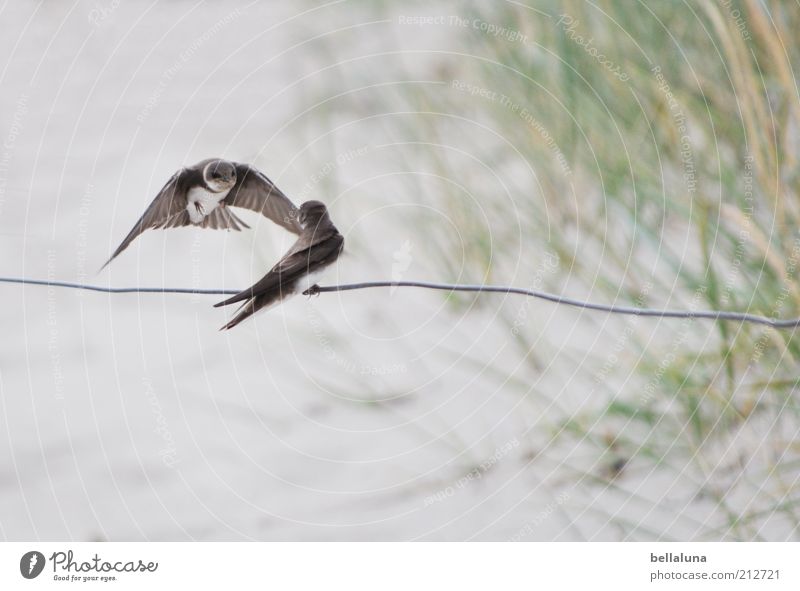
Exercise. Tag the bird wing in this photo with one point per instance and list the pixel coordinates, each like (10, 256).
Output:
(168, 210)
(254, 191)
(291, 267)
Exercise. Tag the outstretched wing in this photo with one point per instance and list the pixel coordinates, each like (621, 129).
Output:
(168, 210)
(254, 191)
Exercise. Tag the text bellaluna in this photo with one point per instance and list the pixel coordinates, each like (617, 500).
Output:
(96, 564)
(670, 557)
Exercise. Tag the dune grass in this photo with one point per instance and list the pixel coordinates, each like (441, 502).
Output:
(649, 149)
(663, 173)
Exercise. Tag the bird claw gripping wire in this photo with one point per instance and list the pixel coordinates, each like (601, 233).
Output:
(314, 290)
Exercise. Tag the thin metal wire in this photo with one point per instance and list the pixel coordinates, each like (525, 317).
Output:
(119, 289)
(543, 295)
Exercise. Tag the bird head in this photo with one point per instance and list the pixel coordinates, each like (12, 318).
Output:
(311, 213)
(219, 175)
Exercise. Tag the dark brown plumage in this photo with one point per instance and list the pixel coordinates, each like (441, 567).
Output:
(200, 195)
(319, 245)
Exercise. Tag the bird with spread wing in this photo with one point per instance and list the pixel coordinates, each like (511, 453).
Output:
(199, 195)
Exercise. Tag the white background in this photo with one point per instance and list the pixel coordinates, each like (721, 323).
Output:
(410, 566)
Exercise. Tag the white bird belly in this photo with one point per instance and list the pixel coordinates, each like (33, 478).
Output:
(202, 202)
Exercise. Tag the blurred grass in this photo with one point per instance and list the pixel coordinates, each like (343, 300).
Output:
(625, 215)
(675, 185)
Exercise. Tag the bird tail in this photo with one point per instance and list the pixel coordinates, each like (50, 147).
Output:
(262, 301)
(223, 218)
(244, 312)
(242, 295)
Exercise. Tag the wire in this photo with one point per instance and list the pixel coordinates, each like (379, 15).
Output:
(119, 289)
(557, 299)
(543, 295)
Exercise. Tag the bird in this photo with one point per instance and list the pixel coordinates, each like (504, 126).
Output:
(318, 246)
(198, 195)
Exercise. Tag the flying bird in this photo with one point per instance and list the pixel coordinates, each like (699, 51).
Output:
(319, 245)
(199, 195)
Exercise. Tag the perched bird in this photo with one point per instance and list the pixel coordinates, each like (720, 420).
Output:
(319, 245)
(198, 195)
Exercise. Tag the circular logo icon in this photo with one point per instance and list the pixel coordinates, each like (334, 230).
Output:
(31, 564)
